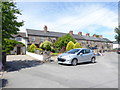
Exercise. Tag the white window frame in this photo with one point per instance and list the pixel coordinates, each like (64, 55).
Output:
(18, 38)
(33, 38)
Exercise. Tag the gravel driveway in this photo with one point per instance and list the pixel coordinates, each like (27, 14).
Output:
(103, 74)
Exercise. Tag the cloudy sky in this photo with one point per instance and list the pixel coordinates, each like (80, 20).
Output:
(87, 17)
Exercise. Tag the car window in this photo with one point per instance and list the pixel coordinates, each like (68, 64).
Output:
(82, 51)
(73, 51)
(87, 51)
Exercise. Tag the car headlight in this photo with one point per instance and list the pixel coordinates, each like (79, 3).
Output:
(67, 57)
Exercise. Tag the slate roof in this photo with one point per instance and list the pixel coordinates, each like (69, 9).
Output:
(107, 40)
(59, 34)
(22, 34)
(115, 42)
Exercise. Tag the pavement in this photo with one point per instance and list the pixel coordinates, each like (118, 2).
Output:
(102, 74)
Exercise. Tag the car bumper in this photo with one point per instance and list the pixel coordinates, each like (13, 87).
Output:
(68, 61)
(65, 62)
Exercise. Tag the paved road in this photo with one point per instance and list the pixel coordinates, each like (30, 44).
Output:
(103, 74)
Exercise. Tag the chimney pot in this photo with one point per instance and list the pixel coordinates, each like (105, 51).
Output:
(87, 34)
(94, 35)
(80, 33)
(45, 28)
(71, 32)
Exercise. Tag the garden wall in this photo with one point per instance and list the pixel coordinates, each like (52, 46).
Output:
(39, 57)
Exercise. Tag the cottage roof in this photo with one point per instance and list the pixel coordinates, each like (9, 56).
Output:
(59, 34)
(20, 34)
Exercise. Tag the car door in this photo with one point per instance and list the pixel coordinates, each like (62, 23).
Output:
(81, 57)
(87, 55)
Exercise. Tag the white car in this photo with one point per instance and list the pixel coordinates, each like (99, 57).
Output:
(76, 56)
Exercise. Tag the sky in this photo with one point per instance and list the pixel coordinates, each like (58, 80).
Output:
(87, 17)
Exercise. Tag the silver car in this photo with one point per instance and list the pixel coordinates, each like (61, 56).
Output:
(76, 56)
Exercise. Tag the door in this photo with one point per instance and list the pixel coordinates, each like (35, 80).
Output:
(87, 55)
(81, 57)
(18, 50)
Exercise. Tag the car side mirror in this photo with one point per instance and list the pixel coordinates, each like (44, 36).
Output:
(80, 54)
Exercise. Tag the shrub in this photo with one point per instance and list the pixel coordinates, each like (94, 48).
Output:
(63, 41)
(70, 46)
(10, 44)
(63, 49)
(77, 45)
(54, 54)
(32, 48)
(39, 49)
(46, 45)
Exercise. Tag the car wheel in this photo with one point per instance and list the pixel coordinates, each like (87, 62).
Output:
(93, 60)
(74, 62)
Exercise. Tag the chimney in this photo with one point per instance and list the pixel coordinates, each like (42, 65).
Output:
(80, 33)
(94, 35)
(87, 34)
(71, 32)
(45, 28)
(100, 36)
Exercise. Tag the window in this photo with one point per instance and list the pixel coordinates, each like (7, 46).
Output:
(42, 39)
(82, 51)
(33, 38)
(87, 51)
(18, 39)
(73, 51)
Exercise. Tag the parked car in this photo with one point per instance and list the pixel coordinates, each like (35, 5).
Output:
(76, 56)
(118, 50)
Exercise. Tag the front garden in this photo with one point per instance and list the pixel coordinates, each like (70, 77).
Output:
(63, 44)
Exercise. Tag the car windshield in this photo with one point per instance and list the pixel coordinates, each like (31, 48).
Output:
(73, 51)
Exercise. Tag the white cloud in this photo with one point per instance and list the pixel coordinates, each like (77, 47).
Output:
(88, 19)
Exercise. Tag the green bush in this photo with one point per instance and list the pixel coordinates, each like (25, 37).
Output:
(46, 45)
(77, 45)
(63, 41)
(70, 46)
(39, 49)
(54, 54)
(32, 48)
(54, 50)
(10, 44)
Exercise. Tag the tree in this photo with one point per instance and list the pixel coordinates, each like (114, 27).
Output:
(77, 45)
(46, 45)
(10, 25)
(117, 37)
(70, 46)
(63, 41)
(10, 44)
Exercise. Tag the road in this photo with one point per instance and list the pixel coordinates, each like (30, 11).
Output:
(102, 74)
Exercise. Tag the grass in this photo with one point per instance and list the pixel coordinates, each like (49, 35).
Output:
(55, 54)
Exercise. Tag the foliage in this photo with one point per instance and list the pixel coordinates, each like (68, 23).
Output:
(54, 54)
(46, 45)
(63, 49)
(117, 37)
(39, 49)
(54, 50)
(32, 48)
(10, 44)
(10, 25)
(77, 45)
(70, 46)
(63, 41)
